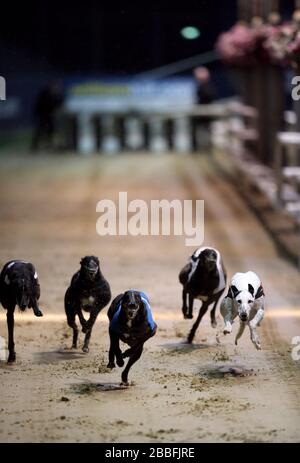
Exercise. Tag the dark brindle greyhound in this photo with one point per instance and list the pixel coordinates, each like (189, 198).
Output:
(131, 322)
(88, 292)
(204, 278)
(19, 285)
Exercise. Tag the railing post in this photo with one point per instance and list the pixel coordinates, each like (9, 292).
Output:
(158, 142)
(182, 135)
(86, 137)
(110, 143)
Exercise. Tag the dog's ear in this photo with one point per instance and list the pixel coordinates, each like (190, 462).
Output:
(120, 301)
(251, 289)
(234, 291)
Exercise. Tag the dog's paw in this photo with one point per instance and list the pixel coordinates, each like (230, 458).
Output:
(38, 313)
(111, 365)
(218, 340)
(257, 345)
(227, 328)
(124, 384)
(120, 362)
(124, 379)
(127, 383)
(11, 358)
(188, 316)
(126, 353)
(85, 349)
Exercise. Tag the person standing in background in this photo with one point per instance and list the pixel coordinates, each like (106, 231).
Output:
(48, 102)
(206, 95)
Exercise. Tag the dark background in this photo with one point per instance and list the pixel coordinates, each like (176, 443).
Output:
(106, 37)
(44, 40)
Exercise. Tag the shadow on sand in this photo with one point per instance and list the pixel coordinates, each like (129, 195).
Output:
(89, 387)
(183, 347)
(225, 371)
(58, 355)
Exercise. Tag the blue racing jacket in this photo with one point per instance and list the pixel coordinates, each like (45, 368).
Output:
(114, 324)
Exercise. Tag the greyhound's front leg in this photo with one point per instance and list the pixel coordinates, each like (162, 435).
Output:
(201, 314)
(87, 328)
(92, 319)
(189, 314)
(228, 326)
(37, 312)
(252, 326)
(10, 327)
(184, 303)
(136, 346)
(82, 320)
(134, 358)
(114, 350)
(240, 332)
(228, 315)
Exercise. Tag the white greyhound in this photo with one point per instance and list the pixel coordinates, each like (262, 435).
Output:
(245, 299)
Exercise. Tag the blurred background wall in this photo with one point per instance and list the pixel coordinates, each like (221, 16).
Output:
(43, 40)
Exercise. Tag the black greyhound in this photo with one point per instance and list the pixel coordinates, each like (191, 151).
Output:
(89, 292)
(19, 285)
(204, 278)
(131, 322)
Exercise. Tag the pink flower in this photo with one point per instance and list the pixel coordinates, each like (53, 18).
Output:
(293, 50)
(278, 42)
(236, 44)
(245, 45)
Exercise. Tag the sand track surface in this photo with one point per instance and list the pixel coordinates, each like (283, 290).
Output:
(211, 391)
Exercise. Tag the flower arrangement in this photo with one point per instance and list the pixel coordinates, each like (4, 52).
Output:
(293, 51)
(260, 43)
(279, 42)
(237, 46)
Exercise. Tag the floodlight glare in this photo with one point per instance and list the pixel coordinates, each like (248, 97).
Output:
(190, 33)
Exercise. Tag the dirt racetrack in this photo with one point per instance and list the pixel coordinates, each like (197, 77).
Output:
(208, 392)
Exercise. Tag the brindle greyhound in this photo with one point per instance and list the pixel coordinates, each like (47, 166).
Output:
(89, 292)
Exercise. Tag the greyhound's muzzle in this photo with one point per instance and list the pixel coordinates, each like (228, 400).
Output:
(23, 304)
(132, 311)
(244, 317)
(92, 271)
